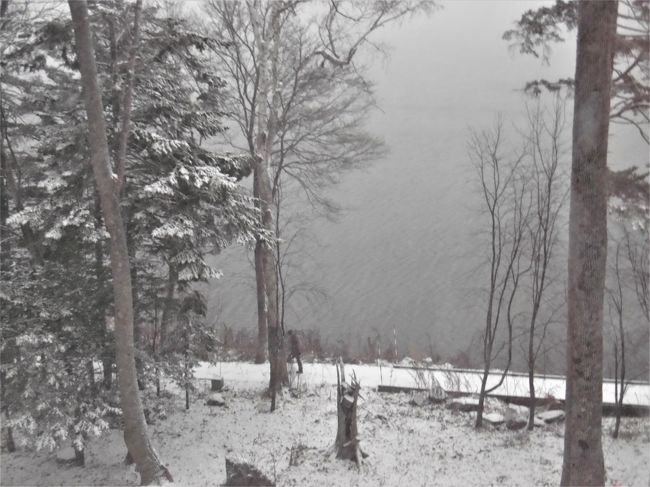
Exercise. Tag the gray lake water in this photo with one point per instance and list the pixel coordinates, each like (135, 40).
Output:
(406, 253)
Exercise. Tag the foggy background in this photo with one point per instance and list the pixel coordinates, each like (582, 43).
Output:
(405, 253)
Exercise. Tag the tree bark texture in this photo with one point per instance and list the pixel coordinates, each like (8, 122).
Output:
(583, 453)
(135, 431)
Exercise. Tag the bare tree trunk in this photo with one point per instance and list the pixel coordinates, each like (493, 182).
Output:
(583, 453)
(617, 301)
(622, 386)
(135, 430)
(499, 184)
(268, 40)
(260, 353)
(548, 200)
(481, 396)
(617, 405)
(531, 387)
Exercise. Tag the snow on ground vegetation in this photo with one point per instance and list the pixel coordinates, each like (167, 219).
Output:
(408, 445)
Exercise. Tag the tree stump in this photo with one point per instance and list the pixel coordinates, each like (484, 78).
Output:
(216, 384)
(347, 438)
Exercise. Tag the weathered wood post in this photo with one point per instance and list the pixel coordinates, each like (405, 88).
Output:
(347, 438)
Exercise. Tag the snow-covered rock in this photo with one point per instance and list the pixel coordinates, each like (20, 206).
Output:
(495, 419)
(215, 399)
(465, 404)
(551, 416)
(516, 410)
(516, 417)
(408, 361)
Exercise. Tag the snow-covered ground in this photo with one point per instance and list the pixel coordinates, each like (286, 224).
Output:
(450, 379)
(408, 445)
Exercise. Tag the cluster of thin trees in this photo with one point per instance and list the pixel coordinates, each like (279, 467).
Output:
(524, 194)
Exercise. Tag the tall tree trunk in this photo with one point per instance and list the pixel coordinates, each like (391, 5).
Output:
(268, 41)
(583, 453)
(135, 430)
(262, 331)
(260, 352)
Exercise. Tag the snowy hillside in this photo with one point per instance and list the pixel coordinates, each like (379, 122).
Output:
(407, 444)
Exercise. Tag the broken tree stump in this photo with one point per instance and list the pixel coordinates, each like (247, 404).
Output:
(347, 435)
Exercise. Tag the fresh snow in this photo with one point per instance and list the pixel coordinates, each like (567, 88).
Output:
(408, 445)
(551, 416)
(464, 381)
